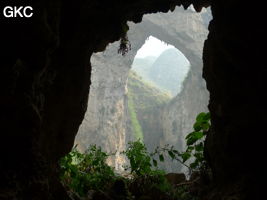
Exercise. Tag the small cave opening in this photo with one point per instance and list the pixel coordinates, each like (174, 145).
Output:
(153, 93)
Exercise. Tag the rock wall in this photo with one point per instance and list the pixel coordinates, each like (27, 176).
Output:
(107, 123)
(235, 72)
(179, 115)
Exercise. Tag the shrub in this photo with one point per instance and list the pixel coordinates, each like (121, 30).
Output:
(195, 142)
(139, 158)
(195, 146)
(82, 172)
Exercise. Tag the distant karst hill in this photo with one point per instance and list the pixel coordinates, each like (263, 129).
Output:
(167, 71)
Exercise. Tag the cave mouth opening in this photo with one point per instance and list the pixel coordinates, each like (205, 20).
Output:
(117, 114)
(111, 119)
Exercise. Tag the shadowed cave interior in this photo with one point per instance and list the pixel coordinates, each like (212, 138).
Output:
(45, 81)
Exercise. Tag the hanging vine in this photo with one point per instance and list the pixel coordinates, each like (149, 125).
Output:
(125, 45)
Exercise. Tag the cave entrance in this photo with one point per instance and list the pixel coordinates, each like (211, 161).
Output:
(110, 121)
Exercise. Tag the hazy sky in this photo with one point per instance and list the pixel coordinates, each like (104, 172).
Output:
(152, 47)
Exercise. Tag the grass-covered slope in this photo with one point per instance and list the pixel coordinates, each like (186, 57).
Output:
(145, 95)
(136, 127)
(144, 103)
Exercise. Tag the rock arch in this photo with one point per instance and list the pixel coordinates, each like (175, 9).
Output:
(109, 79)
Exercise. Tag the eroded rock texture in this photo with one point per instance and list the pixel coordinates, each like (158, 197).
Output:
(106, 119)
(44, 80)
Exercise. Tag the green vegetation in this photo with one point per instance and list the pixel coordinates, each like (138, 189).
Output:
(83, 172)
(143, 101)
(145, 95)
(137, 130)
(195, 142)
(144, 174)
(140, 160)
(194, 153)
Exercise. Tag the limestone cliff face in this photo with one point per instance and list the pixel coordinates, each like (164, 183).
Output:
(178, 117)
(107, 123)
(105, 120)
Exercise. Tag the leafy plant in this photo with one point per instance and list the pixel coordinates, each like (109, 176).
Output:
(139, 158)
(195, 142)
(195, 146)
(146, 178)
(170, 151)
(82, 172)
